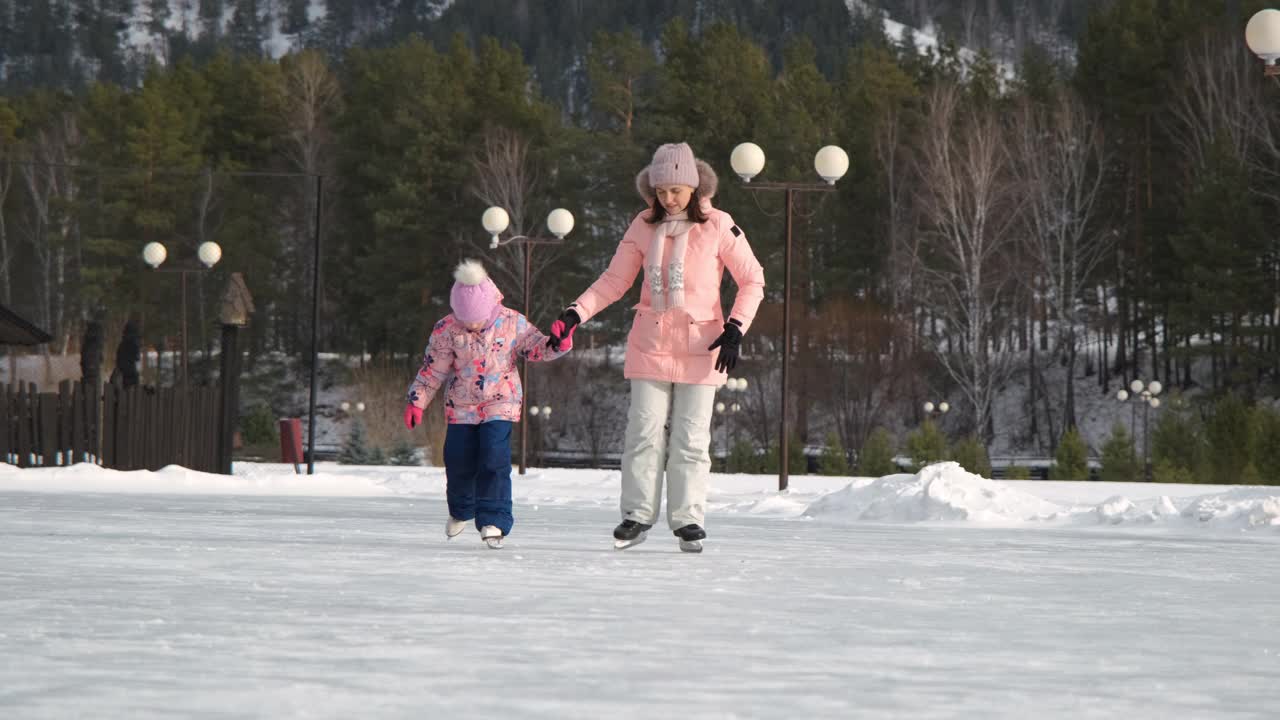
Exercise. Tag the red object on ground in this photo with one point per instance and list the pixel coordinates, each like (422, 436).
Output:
(291, 442)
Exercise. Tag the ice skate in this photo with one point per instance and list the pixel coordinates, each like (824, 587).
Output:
(492, 537)
(629, 534)
(691, 537)
(453, 527)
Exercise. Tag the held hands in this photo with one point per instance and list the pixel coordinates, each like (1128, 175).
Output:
(562, 331)
(728, 342)
(412, 416)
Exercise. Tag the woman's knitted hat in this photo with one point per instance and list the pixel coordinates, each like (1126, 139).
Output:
(675, 164)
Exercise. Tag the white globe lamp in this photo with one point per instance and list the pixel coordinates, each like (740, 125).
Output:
(747, 160)
(154, 253)
(560, 222)
(495, 220)
(209, 253)
(1262, 35)
(832, 163)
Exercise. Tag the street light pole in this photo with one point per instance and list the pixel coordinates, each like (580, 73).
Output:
(831, 163)
(496, 220)
(1147, 394)
(209, 253)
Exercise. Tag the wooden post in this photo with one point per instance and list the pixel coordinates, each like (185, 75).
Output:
(229, 403)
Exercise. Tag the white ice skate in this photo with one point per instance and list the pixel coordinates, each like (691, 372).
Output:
(453, 528)
(492, 537)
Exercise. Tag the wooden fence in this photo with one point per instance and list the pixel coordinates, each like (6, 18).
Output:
(137, 428)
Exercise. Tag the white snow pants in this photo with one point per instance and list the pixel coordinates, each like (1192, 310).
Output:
(687, 461)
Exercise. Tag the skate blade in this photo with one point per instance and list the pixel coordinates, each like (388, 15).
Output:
(624, 544)
(691, 546)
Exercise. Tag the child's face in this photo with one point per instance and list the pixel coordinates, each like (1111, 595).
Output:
(474, 326)
(674, 198)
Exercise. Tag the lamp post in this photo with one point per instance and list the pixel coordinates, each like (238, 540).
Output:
(495, 221)
(1147, 396)
(209, 253)
(545, 413)
(932, 410)
(831, 164)
(1262, 35)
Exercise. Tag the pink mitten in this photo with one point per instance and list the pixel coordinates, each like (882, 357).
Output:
(412, 416)
(566, 339)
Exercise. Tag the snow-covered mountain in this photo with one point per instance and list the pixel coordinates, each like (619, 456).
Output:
(67, 42)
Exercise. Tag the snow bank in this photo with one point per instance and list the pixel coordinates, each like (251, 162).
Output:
(945, 492)
(940, 492)
(177, 480)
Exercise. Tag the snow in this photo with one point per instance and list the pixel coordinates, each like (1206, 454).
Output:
(935, 595)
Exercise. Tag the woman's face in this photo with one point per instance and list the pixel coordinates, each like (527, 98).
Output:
(674, 198)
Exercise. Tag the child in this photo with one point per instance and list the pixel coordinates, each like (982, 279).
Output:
(478, 344)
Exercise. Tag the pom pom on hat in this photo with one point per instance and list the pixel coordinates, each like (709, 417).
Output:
(470, 272)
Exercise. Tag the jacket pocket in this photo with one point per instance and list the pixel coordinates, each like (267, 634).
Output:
(646, 332)
(701, 334)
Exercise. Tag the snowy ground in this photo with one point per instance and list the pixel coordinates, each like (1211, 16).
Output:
(939, 595)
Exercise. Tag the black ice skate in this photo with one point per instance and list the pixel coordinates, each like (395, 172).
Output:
(629, 533)
(691, 537)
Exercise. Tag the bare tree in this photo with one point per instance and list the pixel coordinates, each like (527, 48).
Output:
(1220, 102)
(968, 201)
(311, 97)
(49, 180)
(505, 177)
(1061, 163)
(857, 371)
(1221, 107)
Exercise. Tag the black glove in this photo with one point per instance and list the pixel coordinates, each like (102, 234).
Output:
(728, 342)
(567, 320)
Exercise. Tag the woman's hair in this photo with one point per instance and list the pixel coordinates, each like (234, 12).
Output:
(657, 213)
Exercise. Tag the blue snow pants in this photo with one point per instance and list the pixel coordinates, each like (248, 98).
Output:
(477, 468)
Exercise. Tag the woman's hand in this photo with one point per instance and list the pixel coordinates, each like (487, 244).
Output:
(728, 342)
(562, 329)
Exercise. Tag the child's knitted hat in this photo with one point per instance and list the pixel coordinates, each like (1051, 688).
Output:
(474, 296)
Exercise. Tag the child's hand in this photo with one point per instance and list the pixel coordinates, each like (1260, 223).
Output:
(562, 335)
(412, 416)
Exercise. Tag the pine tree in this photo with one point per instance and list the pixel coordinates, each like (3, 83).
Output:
(972, 456)
(1227, 436)
(1264, 443)
(211, 12)
(158, 14)
(1177, 439)
(876, 458)
(247, 31)
(834, 460)
(743, 458)
(403, 453)
(296, 19)
(1119, 461)
(927, 445)
(1072, 459)
(356, 450)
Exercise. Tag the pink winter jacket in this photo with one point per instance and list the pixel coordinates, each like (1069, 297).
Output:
(671, 346)
(485, 385)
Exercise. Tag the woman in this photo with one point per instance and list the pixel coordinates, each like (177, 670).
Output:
(684, 246)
